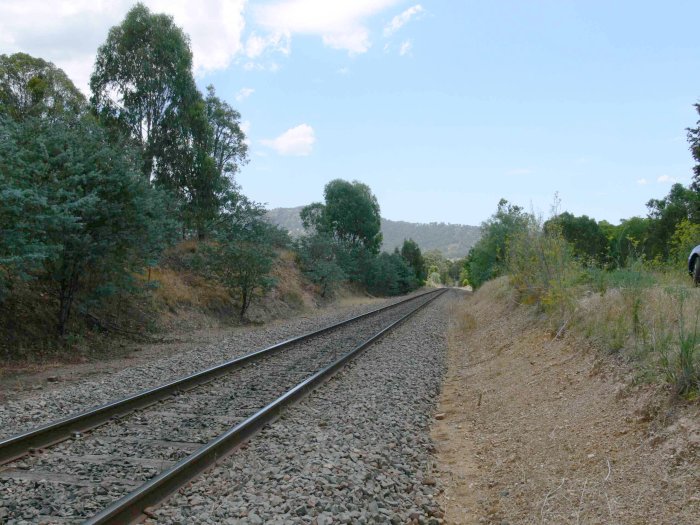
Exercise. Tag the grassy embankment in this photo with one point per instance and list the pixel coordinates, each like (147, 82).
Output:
(173, 298)
(647, 314)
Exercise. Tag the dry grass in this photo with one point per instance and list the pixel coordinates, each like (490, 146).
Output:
(644, 312)
(539, 429)
(656, 327)
(292, 294)
(177, 289)
(290, 286)
(174, 297)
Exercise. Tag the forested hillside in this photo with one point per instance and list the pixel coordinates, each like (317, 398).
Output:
(452, 240)
(121, 205)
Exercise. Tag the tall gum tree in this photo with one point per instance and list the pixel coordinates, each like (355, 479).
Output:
(352, 214)
(143, 80)
(33, 87)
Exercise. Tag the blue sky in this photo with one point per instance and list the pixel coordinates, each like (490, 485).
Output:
(442, 108)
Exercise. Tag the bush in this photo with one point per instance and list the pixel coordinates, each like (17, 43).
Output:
(244, 250)
(684, 239)
(318, 260)
(390, 275)
(672, 337)
(241, 260)
(88, 220)
(487, 258)
(542, 269)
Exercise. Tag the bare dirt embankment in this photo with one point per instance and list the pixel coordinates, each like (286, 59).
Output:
(535, 428)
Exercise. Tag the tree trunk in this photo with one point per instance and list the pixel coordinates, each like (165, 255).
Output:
(65, 301)
(68, 286)
(244, 302)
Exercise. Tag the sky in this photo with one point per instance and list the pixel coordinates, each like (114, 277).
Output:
(441, 107)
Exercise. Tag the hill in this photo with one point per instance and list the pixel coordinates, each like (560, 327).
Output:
(452, 240)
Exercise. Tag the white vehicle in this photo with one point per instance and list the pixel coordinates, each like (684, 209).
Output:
(694, 265)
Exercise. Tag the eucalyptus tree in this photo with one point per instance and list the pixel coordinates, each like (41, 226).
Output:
(143, 81)
(33, 87)
(694, 143)
(191, 145)
(226, 144)
(487, 258)
(350, 213)
(589, 243)
(412, 253)
(243, 251)
(87, 220)
(317, 255)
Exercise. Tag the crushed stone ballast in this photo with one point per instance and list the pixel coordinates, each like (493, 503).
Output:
(145, 446)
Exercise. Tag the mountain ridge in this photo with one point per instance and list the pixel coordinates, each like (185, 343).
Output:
(452, 240)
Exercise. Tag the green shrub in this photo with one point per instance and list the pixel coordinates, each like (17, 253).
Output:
(487, 258)
(390, 274)
(673, 346)
(543, 270)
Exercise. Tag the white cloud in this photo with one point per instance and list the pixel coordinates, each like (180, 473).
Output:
(642, 182)
(251, 65)
(341, 24)
(665, 179)
(402, 19)
(214, 27)
(257, 45)
(405, 47)
(244, 93)
(344, 71)
(297, 141)
(245, 128)
(354, 40)
(68, 33)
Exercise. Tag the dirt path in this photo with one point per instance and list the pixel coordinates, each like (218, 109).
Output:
(541, 430)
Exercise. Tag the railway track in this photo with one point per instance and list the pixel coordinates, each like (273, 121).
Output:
(111, 463)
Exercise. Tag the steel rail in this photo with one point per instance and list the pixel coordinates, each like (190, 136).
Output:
(131, 507)
(19, 445)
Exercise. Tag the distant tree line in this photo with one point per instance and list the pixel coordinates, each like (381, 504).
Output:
(665, 236)
(452, 240)
(342, 244)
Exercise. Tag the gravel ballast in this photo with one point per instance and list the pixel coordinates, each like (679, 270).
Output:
(355, 451)
(81, 475)
(53, 401)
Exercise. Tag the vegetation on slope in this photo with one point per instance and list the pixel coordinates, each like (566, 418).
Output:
(624, 286)
(98, 197)
(453, 241)
(625, 289)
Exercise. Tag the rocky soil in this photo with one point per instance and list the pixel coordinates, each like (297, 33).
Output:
(357, 450)
(537, 428)
(80, 476)
(31, 399)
